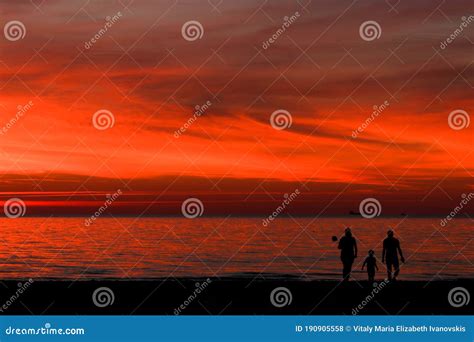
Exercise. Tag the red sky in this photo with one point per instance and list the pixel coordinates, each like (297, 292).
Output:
(320, 70)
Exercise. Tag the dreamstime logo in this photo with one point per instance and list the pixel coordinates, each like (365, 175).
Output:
(192, 30)
(370, 30)
(465, 200)
(108, 202)
(102, 297)
(14, 208)
(21, 110)
(192, 208)
(458, 119)
(288, 199)
(458, 297)
(457, 32)
(281, 119)
(377, 288)
(199, 110)
(14, 297)
(288, 21)
(280, 297)
(103, 119)
(370, 208)
(43, 330)
(198, 290)
(109, 22)
(377, 110)
(14, 30)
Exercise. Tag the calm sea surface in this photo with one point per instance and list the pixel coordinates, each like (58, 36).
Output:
(176, 247)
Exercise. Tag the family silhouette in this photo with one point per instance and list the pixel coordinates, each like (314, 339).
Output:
(390, 252)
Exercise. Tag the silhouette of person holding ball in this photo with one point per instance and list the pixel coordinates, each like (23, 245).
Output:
(348, 247)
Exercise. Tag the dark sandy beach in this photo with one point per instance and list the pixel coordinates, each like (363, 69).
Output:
(234, 296)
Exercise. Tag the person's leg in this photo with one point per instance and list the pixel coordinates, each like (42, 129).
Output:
(396, 267)
(349, 268)
(344, 268)
(389, 269)
(345, 271)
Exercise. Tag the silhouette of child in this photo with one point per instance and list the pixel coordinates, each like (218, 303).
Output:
(371, 263)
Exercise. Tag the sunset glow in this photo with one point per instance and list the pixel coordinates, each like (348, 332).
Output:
(151, 79)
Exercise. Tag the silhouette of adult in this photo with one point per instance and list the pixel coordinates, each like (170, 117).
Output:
(348, 247)
(391, 249)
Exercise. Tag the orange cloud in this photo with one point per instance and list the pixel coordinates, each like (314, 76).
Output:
(320, 71)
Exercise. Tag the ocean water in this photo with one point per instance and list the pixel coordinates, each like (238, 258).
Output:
(64, 248)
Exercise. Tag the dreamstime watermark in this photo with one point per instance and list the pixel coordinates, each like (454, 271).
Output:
(457, 32)
(370, 30)
(459, 119)
(46, 330)
(375, 113)
(287, 22)
(281, 119)
(192, 208)
(459, 296)
(110, 21)
(14, 208)
(192, 30)
(103, 119)
(370, 208)
(280, 297)
(198, 111)
(377, 288)
(103, 296)
(198, 290)
(465, 200)
(288, 199)
(14, 30)
(21, 110)
(13, 298)
(108, 202)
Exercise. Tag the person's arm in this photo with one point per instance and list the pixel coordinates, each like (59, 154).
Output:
(339, 246)
(355, 248)
(376, 267)
(400, 251)
(365, 261)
